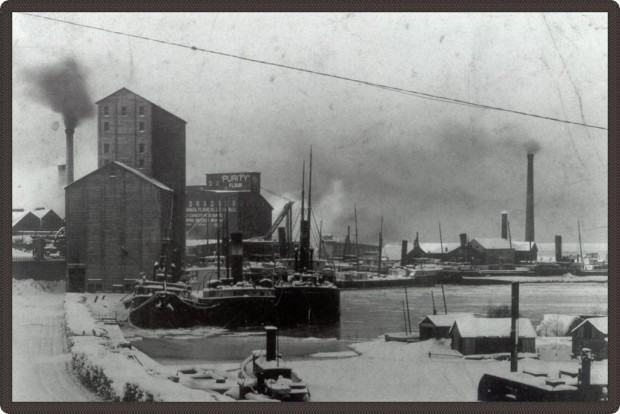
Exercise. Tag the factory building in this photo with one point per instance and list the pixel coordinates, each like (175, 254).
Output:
(231, 200)
(151, 140)
(116, 222)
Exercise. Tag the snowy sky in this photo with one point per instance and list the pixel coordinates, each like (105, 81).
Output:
(414, 161)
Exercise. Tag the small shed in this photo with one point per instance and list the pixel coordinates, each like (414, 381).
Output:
(438, 326)
(491, 335)
(591, 333)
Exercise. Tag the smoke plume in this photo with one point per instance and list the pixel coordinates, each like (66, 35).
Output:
(532, 147)
(62, 87)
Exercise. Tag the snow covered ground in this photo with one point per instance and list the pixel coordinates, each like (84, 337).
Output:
(41, 360)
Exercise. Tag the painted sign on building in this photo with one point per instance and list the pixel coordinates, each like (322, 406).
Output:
(244, 181)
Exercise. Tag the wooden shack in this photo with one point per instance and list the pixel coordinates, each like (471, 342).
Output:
(591, 333)
(438, 326)
(490, 335)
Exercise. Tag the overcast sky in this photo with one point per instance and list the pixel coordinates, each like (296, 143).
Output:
(413, 161)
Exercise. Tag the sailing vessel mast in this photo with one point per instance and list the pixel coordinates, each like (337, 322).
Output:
(580, 250)
(357, 243)
(380, 245)
(441, 243)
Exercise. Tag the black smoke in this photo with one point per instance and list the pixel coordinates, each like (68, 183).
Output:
(62, 86)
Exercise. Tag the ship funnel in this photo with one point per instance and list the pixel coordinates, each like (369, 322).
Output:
(505, 225)
(558, 248)
(271, 331)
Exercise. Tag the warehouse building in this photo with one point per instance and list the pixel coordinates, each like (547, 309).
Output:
(229, 200)
(151, 140)
(50, 221)
(491, 335)
(117, 221)
(438, 326)
(24, 221)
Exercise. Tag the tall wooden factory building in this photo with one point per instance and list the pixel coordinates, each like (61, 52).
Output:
(237, 194)
(116, 220)
(146, 137)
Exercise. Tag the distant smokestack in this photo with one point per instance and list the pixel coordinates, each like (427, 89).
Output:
(62, 175)
(463, 237)
(69, 133)
(529, 207)
(403, 253)
(505, 225)
(558, 248)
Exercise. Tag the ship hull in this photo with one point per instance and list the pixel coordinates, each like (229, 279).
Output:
(306, 305)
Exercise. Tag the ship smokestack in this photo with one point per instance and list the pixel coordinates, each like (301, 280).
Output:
(558, 248)
(403, 253)
(463, 237)
(271, 342)
(69, 134)
(505, 225)
(236, 256)
(529, 207)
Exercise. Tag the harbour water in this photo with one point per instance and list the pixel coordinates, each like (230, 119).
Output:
(367, 314)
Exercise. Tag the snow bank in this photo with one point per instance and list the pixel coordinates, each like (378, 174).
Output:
(118, 373)
(28, 287)
(555, 324)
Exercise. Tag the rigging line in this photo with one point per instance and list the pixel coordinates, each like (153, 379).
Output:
(359, 81)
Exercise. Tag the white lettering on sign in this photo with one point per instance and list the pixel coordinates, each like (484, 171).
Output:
(235, 178)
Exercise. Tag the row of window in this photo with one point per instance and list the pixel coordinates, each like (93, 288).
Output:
(204, 203)
(211, 203)
(106, 148)
(106, 126)
(106, 110)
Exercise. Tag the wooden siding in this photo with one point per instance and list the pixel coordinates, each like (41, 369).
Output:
(488, 345)
(105, 214)
(596, 342)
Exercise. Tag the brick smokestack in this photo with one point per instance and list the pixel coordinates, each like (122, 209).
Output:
(529, 207)
(69, 133)
(505, 225)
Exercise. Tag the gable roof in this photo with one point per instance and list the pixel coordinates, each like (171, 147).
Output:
(492, 327)
(44, 212)
(601, 324)
(17, 216)
(123, 89)
(128, 168)
(447, 320)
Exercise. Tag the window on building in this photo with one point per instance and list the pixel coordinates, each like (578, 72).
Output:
(210, 183)
(106, 126)
(190, 203)
(106, 110)
(141, 126)
(106, 148)
(233, 203)
(141, 110)
(141, 163)
(212, 203)
(123, 110)
(141, 148)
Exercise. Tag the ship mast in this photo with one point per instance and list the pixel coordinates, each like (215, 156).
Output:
(357, 244)
(380, 244)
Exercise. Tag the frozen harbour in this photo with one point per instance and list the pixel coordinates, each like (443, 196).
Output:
(372, 370)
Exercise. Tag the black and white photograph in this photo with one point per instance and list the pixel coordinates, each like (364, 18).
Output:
(310, 207)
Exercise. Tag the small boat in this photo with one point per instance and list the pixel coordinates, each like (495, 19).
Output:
(265, 373)
(205, 379)
(402, 337)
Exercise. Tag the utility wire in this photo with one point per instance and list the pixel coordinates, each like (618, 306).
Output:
(418, 94)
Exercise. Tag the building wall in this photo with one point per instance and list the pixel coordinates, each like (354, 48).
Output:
(248, 213)
(151, 140)
(105, 214)
(335, 249)
(484, 345)
(124, 134)
(169, 168)
(596, 342)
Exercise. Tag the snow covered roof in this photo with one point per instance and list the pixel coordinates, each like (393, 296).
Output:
(16, 216)
(494, 243)
(492, 327)
(392, 251)
(436, 247)
(447, 320)
(128, 168)
(522, 246)
(601, 324)
(41, 213)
